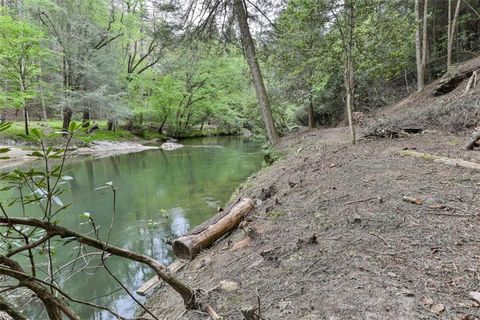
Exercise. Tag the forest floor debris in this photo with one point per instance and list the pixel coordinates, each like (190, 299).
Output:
(373, 256)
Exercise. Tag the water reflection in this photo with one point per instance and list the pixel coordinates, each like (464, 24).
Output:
(160, 196)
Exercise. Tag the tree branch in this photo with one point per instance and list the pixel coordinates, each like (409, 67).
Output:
(161, 270)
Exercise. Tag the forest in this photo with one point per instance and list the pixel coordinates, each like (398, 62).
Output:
(178, 69)
(239, 159)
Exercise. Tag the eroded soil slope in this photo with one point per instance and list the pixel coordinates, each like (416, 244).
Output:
(331, 237)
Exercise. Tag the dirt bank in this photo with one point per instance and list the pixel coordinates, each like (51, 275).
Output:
(331, 237)
(98, 149)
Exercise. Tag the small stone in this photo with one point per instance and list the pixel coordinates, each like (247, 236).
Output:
(228, 285)
(427, 301)
(437, 308)
(407, 293)
(475, 295)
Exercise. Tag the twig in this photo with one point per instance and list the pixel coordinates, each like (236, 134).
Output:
(213, 314)
(455, 215)
(361, 200)
(381, 238)
(335, 198)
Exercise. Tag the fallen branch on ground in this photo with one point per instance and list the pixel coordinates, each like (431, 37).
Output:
(440, 159)
(202, 236)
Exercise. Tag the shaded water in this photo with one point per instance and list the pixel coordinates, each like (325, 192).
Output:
(161, 194)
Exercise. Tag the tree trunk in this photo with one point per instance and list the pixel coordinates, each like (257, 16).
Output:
(202, 236)
(189, 115)
(311, 113)
(160, 129)
(25, 118)
(44, 107)
(110, 125)
(349, 98)
(86, 118)
(67, 117)
(451, 30)
(418, 48)
(249, 47)
(349, 71)
(424, 38)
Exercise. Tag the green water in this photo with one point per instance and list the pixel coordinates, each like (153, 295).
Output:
(161, 194)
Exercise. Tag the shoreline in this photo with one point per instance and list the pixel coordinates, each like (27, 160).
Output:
(98, 149)
(330, 220)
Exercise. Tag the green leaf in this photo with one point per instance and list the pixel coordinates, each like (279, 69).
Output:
(72, 127)
(28, 137)
(4, 126)
(37, 133)
(36, 154)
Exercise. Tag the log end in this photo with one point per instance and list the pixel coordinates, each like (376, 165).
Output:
(181, 249)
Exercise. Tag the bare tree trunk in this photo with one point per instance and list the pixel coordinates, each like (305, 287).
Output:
(111, 125)
(311, 113)
(349, 98)
(25, 118)
(424, 37)
(67, 117)
(160, 129)
(418, 48)
(349, 71)
(44, 107)
(451, 30)
(249, 47)
(86, 118)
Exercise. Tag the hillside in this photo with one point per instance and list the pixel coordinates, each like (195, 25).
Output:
(452, 112)
(361, 231)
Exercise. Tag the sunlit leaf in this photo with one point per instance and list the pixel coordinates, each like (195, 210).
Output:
(58, 201)
(85, 215)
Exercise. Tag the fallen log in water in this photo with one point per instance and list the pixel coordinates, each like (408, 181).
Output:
(205, 234)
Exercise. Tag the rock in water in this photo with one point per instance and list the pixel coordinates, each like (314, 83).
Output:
(169, 146)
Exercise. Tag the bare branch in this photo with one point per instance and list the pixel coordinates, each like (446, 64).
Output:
(161, 270)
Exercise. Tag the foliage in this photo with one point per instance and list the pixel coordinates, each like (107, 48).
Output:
(200, 86)
(20, 51)
(136, 62)
(308, 50)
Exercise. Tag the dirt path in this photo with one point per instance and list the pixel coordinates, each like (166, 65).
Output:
(331, 237)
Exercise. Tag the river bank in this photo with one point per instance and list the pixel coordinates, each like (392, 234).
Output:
(98, 143)
(333, 238)
(19, 156)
